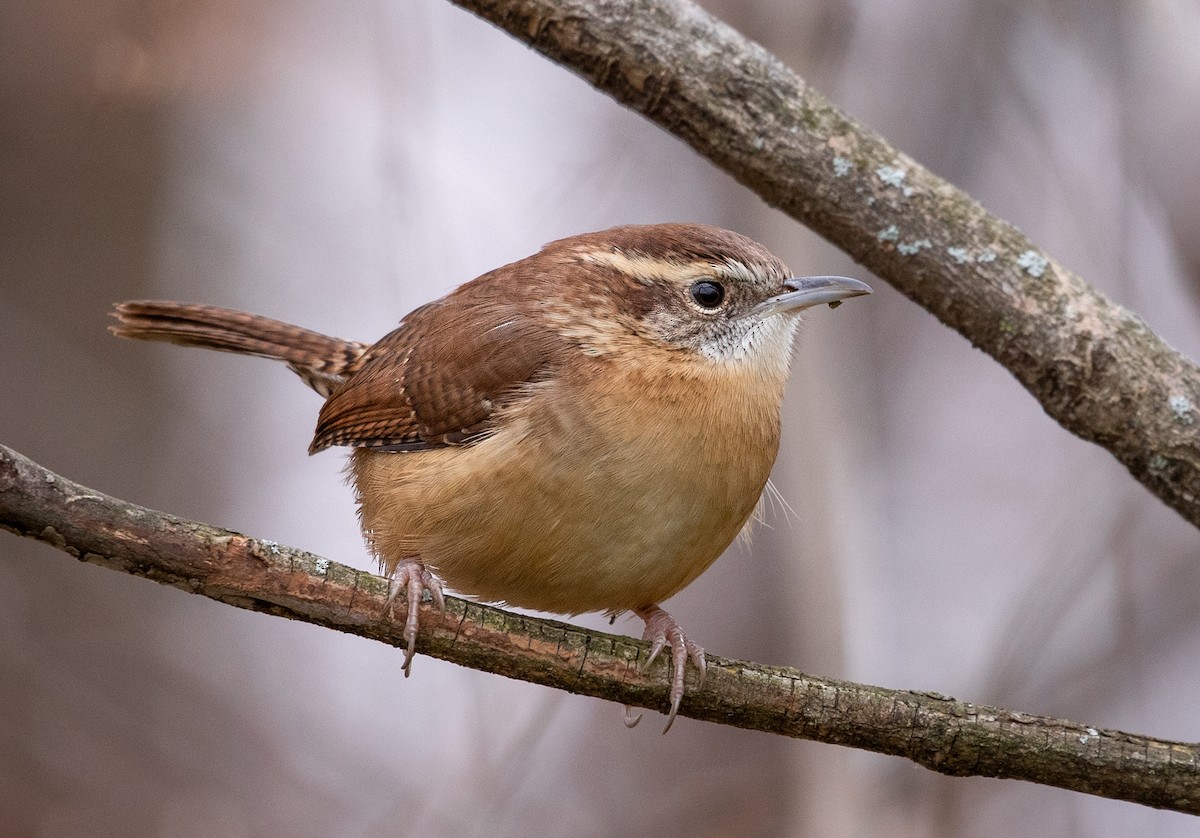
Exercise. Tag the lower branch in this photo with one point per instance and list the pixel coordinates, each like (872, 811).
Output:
(932, 730)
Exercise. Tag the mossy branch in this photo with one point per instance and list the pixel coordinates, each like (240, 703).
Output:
(933, 730)
(1093, 365)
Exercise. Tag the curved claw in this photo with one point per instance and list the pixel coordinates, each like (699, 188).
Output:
(630, 719)
(662, 630)
(414, 578)
(659, 642)
(434, 586)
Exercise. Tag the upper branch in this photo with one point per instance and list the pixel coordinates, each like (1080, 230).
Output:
(1094, 366)
(932, 730)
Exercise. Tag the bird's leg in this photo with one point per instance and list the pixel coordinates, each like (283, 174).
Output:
(662, 630)
(412, 576)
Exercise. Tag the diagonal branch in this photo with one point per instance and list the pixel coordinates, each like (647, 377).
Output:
(930, 729)
(1094, 366)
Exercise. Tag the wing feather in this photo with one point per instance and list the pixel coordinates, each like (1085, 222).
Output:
(439, 378)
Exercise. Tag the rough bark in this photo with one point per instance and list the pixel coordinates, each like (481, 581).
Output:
(933, 730)
(1094, 366)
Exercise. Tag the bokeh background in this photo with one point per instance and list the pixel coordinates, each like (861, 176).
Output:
(336, 164)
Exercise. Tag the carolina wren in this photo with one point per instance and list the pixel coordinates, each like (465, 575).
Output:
(586, 429)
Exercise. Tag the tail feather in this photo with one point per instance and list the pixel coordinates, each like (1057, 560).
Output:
(322, 361)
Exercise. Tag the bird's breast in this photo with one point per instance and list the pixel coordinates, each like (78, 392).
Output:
(603, 490)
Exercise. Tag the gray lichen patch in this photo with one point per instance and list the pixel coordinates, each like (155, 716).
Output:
(1033, 263)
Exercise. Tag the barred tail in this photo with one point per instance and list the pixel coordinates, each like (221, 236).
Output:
(322, 361)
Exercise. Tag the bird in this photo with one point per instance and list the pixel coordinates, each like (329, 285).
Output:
(583, 430)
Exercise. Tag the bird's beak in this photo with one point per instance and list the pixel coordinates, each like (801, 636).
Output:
(808, 291)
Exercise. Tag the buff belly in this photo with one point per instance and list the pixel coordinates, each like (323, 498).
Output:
(553, 514)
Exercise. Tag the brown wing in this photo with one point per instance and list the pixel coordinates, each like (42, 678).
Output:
(438, 378)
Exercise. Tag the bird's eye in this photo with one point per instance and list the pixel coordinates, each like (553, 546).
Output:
(708, 294)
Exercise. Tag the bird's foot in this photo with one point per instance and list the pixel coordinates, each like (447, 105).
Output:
(661, 631)
(414, 578)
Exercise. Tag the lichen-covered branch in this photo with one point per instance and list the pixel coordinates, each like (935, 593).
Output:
(1094, 366)
(930, 729)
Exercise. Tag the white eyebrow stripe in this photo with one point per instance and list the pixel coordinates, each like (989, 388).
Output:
(650, 268)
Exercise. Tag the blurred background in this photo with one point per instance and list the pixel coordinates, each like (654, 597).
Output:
(337, 164)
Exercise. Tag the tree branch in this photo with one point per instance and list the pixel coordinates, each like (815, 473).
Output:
(930, 729)
(1094, 366)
